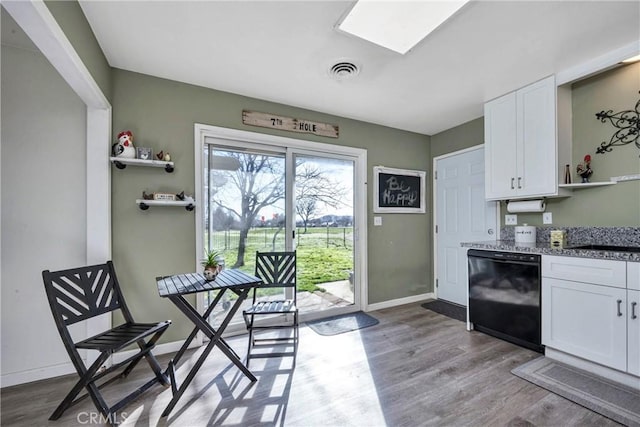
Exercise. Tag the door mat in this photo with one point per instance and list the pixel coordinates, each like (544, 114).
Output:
(613, 400)
(344, 323)
(449, 309)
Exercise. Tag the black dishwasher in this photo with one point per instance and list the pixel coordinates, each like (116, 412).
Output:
(504, 296)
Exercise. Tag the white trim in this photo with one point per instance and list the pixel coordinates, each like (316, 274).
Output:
(202, 132)
(597, 65)
(400, 301)
(36, 374)
(603, 371)
(166, 348)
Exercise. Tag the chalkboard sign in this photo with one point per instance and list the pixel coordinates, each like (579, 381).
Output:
(398, 190)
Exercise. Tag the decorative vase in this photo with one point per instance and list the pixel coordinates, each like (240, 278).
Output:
(210, 273)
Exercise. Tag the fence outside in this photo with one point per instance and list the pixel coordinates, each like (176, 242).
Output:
(263, 237)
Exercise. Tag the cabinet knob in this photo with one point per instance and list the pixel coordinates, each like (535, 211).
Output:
(619, 303)
(633, 310)
(490, 231)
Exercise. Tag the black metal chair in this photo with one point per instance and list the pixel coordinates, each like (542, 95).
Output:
(80, 294)
(276, 270)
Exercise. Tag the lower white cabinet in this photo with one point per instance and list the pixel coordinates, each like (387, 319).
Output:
(591, 309)
(633, 324)
(586, 320)
(633, 330)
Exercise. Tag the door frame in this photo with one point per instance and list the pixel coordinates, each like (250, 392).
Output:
(203, 131)
(435, 208)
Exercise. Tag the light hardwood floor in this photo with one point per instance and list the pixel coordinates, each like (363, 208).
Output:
(414, 368)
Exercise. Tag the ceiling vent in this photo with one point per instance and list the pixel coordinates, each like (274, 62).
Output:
(344, 70)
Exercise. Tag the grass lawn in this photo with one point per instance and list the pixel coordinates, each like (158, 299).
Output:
(322, 255)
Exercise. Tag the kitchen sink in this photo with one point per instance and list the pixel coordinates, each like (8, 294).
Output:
(607, 248)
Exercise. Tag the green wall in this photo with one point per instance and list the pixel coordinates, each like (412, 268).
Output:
(161, 241)
(71, 19)
(617, 205)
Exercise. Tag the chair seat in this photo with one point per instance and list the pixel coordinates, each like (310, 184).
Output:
(272, 307)
(121, 336)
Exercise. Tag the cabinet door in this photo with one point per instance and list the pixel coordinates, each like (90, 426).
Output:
(633, 331)
(588, 321)
(500, 147)
(537, 153)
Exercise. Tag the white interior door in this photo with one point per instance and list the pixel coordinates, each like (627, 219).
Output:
(462, 215)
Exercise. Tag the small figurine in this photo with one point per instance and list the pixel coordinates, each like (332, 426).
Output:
(124, 147)
(160, 155)
(167, 157)
(584, 169)
(146, 196)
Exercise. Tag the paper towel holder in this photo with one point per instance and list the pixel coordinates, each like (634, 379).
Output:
(520, 206)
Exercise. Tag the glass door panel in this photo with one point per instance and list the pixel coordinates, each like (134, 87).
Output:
(324, 238)
(244, 212)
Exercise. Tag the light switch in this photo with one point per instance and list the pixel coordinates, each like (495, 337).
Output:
(377, 220)
(547, 218)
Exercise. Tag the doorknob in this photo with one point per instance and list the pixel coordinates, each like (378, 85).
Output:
(490, 231)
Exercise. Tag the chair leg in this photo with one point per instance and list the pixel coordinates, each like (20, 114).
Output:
(92, 389)
(250, 344)
(150, 358)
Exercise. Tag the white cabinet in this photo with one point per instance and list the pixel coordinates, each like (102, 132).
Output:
(582, 319)
(520, 143)
(633, 318)
(590, 310)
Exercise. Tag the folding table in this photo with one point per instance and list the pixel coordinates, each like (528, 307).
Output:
(174, 288)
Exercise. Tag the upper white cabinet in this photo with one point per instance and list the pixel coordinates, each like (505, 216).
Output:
(520, 143)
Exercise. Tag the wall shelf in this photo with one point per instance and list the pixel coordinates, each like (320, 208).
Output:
(122, 163)
(580, 185)
(144, 204)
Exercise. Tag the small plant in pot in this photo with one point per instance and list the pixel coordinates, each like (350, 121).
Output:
(211, 264)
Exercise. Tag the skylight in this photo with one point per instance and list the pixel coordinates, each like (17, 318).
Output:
(397, 25)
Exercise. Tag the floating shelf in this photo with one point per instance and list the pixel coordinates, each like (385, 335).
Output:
(144, 204)
(122, 163)
(579, 185)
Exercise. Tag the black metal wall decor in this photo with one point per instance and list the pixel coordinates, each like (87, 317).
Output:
(628, 124)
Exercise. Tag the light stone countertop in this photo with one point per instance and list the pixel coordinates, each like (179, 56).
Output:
(544, 248)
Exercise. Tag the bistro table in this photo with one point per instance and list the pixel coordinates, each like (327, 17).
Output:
(174, 288)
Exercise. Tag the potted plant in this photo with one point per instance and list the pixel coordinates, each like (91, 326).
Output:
(210, 264)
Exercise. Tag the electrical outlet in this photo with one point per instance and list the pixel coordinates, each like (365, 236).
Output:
(547, 218)
(511, 220)
(377, 220)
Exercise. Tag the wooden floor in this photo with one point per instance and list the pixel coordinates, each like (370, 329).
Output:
(414, 368)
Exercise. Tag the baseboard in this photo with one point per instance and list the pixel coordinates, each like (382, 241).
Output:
(23, 377)
(37, 374)
(600, 370)
(400, 301)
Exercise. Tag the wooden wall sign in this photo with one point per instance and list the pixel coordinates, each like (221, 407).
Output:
(272, 121)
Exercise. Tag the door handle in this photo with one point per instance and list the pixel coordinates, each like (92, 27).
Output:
(519, 182)
(512, 181)
(619, 303)
(633, 310)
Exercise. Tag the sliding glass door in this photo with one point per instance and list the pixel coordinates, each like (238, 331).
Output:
(269, 197)
(324, 210)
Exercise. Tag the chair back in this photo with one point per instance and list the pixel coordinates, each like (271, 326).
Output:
(82, 293)
(276, 269)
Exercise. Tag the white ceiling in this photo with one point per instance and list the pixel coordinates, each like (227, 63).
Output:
(280, 51)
